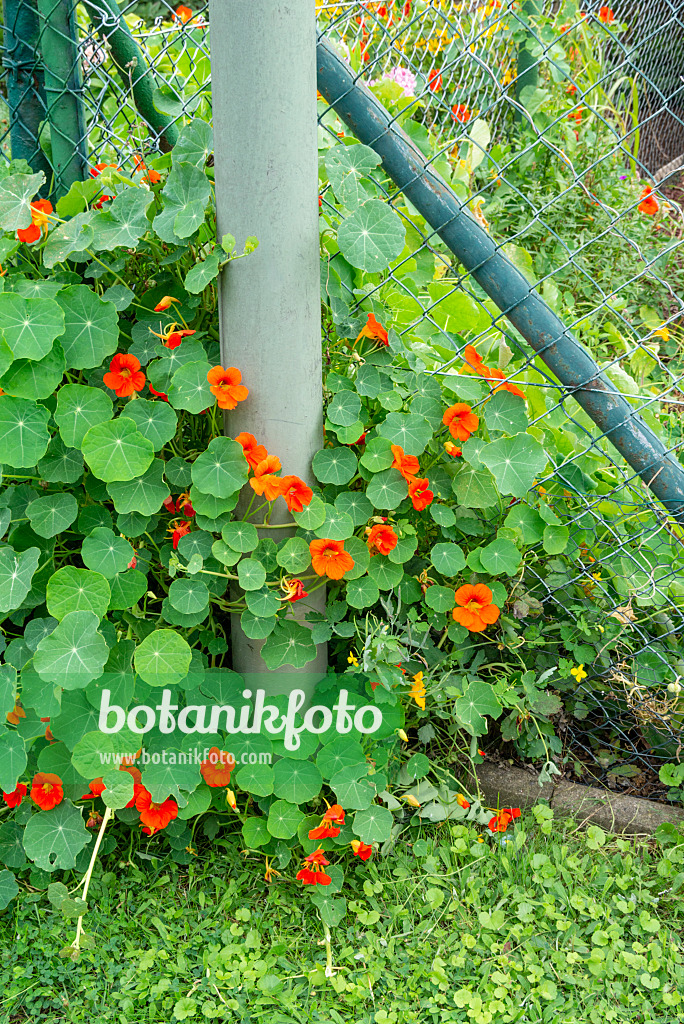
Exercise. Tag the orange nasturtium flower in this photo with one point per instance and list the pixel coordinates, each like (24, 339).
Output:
(217, 768)
(153, 815)
(39, 220)
(296, 493)
(606, 15)
(406, 464)
(254, 453)
(374, 330)
(329, 558)
(165, 303)
(649, 204)
(418, 690)
(151, 177)
(419, 493)
(226, 387)
(312, 872)
(171, 336)
(14, 798)
(474, 364)
(461, 113)
(125, 376)
(382, 539)
(506, 385)
(435, 80)
(576, 115)
(183, 14)
(330, 825)
(96, 787)
(361, 850)
(293, 590)
(451, 449)
(46, 790)
(15, 714)
(503, 818)
(462, 802)
(474, 608)
(264, 481)
(461, 421)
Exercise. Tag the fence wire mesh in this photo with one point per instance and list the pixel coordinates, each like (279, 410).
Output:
(550, 124)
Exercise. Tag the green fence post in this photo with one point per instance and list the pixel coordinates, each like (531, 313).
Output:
(25, 88)
(527, 72)
(135, 74)
(263, 71)
(63, 92)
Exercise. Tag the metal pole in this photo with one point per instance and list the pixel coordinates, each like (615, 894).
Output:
(263, 68)
(25, 87)
(516, 298)
(63, 92)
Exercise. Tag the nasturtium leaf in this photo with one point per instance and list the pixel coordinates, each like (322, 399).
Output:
(189, 596)
(477, 701)
(526, 519)
(255, 833)
(189, 388)
(344, 409)
(337, 525)
(144, 494)
(385, 574)
(163, 658)
(407, 429)
(331, 908)
(373, 825)
(178, 473)
(257, 628)
(74, 653)
(195, 143)
(362, 593)
(53, 839)
(106, 553)
(77, 717)
(6, 355)
(91, 327)
(52, 514)
(44, 698)
(361, 555)
(24, 435)
(506, 413)
(346, 167)
(251, 574)
(200, 274)
(35, 379)
(117, 451)
(387, 489)
(211, 507)
(440, 599)
(447, 559)
(405, 549)
(8, 690)
(16, 573)
(155, 420)
(11, 846)
(391, 400)
(290, 643)
(169, 777)
(16, 193)
(377, 455)
(340, 753)
(124, 221)
(60, 464)
(501, 556)
(372, 236)
(78, 409)
(515, 462)
(283, 819)
(353, 787)
(257, 779)
(222, 469)
(56, 758)
(186, 194)
(161, 371)
(294, 555)
(12, 761)
(262, 603)
(334, 465)
(240, 536)
(30, 326)
(356, 505)
(118, 789)
(127, 589)
(312, 515)
(70, 239)
(297, 781)
(74, 590)
(474, 488)
(555, 539)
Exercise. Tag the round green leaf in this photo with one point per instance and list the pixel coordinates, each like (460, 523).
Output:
(477, 701)
(290, 643)
(296, 781)
(189, 388)
(35, 378)
(385, 574)
(378, 455)
(337, 525)
(362, 593)
(52, 514)
(344, 409)
(335, 465)
(283, 819)
(474, 488)
(106, 552)
(155, 420)
(189, 596)
(30, 325)
(347, 166)
(255, 833)
(12, 760)
(144, 494)
(91, 326)
(447, 559)
(373, 825)
(257, 628)
(163, 658)
(256, 779)
(407, 429)
(361, 555)
(74, 590)
(117, 450)
(16, 193)
(127, 589)
(356, 505)
(440, 599)
(251, 574)
(311, 517)
(353, 787)
(501, 556)
(23, 431)
(372, 236)
(262, 603)
(506, 413)
(338, 754)
(60, 464)
(73, 654)
(240, 536)
(16, 574)
(294, 555)
(515, 462)
(222, 469)
(78, 409)
(387, 489)
(53, 839)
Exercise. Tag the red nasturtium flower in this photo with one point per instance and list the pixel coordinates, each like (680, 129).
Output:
(361, 850)
(474, 608)
(649, 204)
(165, 303)
(264, 481)
(158, 394)
(226, 387)
(183, 14)
(329, 558)
(155, 816)
(382, 539)
(435, 80)
(46, 790)
(407, 465)
(374, 330)
(461, 113)
(254, 453)
(330, 825)
(96, 787)
(293, 590)
(419, 493)
(137, 781)
(216, 770)
(606, 15)
(172, 336)
(461, 421)
(14, 798)
(503, 818)
(312, 873)
(125, 376)
(296, 493)
(576, 115)
(151, 177)
(39, 220)
(178, 531)
(98, 168)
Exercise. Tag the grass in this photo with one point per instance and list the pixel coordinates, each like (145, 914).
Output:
(555, 925)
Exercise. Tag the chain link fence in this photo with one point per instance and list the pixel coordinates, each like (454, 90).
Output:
(553, 125)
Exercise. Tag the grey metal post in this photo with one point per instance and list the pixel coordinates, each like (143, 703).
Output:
(263, 66)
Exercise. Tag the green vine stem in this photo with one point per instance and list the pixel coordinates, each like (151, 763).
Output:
(76, 944)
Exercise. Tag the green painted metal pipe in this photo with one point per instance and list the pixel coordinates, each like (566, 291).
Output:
(477, 251)
(111, 26)
(63, 93)
(25, 84)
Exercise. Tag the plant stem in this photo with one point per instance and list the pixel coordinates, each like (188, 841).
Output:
(88, 875)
